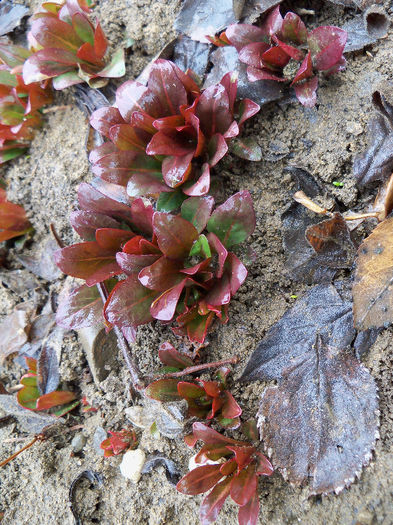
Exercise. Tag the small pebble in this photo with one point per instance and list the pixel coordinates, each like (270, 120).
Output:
(132, 464)
(98, 438)
(354, 128)
(78, 442)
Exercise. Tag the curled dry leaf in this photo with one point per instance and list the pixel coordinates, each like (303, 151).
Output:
(372, 289)
(314, 420)
(14, 333)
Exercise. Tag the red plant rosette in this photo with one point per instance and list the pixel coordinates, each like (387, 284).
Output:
(166, 136)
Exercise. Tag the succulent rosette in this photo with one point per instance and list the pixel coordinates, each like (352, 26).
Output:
(272, 51)
(178, 267)
(166, 136)
(70, 48)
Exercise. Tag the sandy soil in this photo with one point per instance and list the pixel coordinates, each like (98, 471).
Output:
(34, 488)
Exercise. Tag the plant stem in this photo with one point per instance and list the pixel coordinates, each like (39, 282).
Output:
(10, 458)
(197, 368)
(122, 343)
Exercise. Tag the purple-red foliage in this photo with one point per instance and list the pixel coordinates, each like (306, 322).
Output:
(70, 48)
(119, 442)
(168, 134)
(229, 468)
(13, 220)
(270, 50)
(174, 271)
(206, 399)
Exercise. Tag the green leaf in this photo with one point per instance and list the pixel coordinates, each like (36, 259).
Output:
(67, 408)
(201, 247)
(170, 201)
(163, 390)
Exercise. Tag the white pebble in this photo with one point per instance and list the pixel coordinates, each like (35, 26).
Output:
(132, 464)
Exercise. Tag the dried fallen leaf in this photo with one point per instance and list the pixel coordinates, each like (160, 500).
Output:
(48, 375)
(11, 16)
(29, 421)
(366, 29)
(14, 333)
(314, 420)
(376, 162)
(41, 262)
(372, 289)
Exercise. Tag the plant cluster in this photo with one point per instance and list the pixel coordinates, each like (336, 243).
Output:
(165, 137)
(70, 48)
(19, 103)
(230, 468)
(205, 399)
(179, 268)
(119, 442)
(32, 397)
(272, 51)
(13, 220)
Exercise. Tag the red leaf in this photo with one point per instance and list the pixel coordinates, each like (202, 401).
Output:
(293, 29)
(104, 118)
(273, 23)
(210, 436)
(254, 74)
(112, 239)
(247, 109)
(167, 87)
(190, 390)
(133, 96)
(85, 223)
(244, 485)
(54, 399)
(197, 211)
(252, 53)
(241, 35)
(169, 356)
(93, 200)
(54, 33)
(326, 44)
(221, 292)
(87, 260)
(213, 112)
(275, 58)
(130, 263)
(243, 454)
(81, 307)
(201, 186)
(305, 70)
(175, 235)
(199, 480)
(161, 275)
(229, 81)
(164, 307)
(128, 138)
(129, 303)
(217, 149)
(230, 409)
(163, 390)
(234, 220)
(264, 467)
(306, 92)
(48, 63)
(100, 41)
(248, 514)
(212, 504)
(291, 51)
(221, 251)
(237, 272)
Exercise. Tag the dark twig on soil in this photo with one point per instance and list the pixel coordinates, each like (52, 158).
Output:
(56, 236)
(122, 343)
(197, 368)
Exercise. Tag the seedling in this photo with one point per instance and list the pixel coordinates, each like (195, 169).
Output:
(234, 472)
(31, 398)
(70, 49)
(119, 442)
(283, 50)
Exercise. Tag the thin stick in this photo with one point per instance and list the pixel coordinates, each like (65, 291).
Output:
(122, 343)
(55, 108)
(56, 236)
(197, 368)
(10, 458)
(358, 216)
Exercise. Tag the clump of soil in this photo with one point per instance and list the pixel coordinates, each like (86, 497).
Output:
(34, 488)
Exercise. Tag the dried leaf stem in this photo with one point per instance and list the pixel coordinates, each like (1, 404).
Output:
(197, 368)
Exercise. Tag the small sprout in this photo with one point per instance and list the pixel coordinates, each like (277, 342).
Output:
(228, 467)
(294, 296)
(119, 442)
(86, 407)
(338, 184)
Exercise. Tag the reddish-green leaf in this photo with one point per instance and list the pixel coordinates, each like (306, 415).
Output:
(86, 223)
(167, 87)
(163, 390)
(264, 467)
(199, 480)
(234, 220)
(241, 35)
(164, 307)
(175, 235)
(293, 29)
(54, 399)
(53, 33)
(248, 514)
(169, 356)
(190, 390)
(112, 239)
(27, 397)
(83, 28)
(244, 485)
(104, 118)
(210, 436)
(161, 275)
(306, 92)
(247, 149)
(213, 111)
(326, 44)
(80, 308)
(212, 504)
(197, 211)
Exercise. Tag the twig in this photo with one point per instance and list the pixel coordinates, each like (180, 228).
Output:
(56, 236)
(55, 108)
(10, 458)
(358, 216)
(122, 343)
(197, 368)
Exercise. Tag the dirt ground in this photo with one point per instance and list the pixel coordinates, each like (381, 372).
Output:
(34, 488)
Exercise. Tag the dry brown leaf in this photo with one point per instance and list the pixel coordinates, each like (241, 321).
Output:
(373, 285)
(14, 333)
